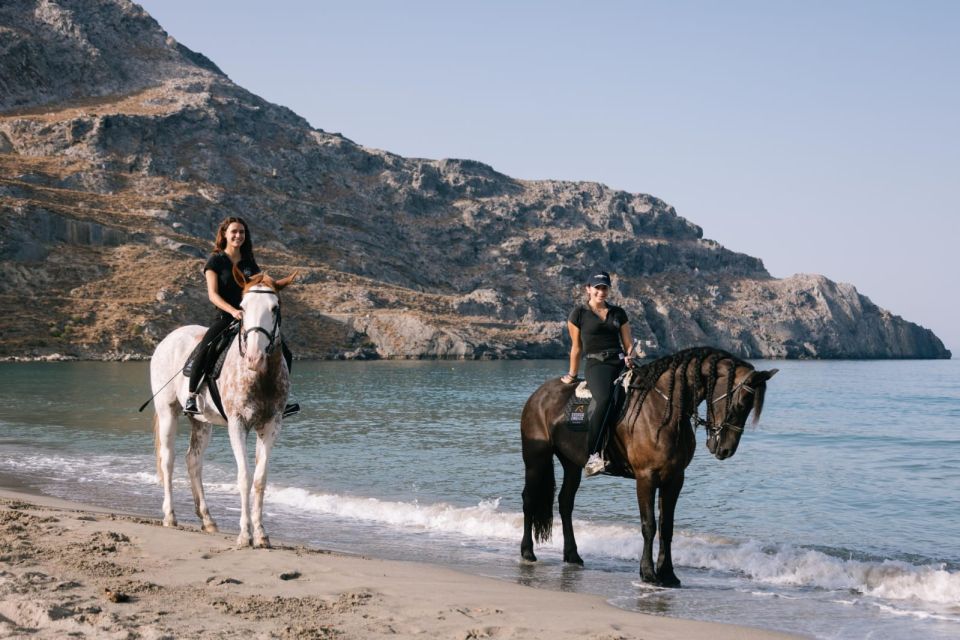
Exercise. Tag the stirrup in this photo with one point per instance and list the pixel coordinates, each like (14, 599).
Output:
(292, 409)
(190, 406)
(595, 464)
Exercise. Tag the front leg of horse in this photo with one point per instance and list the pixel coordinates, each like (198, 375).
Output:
(568, 491)
(165, 428)
(238, 444)
(265, 439)
(669, 493)
(646, 491)
(199, 439)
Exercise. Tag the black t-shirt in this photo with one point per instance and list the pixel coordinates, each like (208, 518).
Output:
(227, 287)
(595, 334)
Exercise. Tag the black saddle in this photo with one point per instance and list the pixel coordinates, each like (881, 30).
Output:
(213, 357)
(576, 418)
(581, 406)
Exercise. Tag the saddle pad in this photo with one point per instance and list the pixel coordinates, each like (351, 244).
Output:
(575, 413)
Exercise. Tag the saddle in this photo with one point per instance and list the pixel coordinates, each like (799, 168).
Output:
(213, 363)
(581, 406)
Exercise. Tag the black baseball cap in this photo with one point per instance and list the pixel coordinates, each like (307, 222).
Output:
(600, 279)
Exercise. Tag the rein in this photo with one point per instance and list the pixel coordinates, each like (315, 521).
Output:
(271, 336)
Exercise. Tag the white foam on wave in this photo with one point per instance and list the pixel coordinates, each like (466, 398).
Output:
(780, 565)
(106, 470)
(784, 565)
(481, 521)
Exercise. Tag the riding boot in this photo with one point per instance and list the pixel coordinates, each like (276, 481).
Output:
(292, 408)
(198, 361)
(190, 406)
(195, 360)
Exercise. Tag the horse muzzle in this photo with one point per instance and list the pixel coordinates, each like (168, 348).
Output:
(724, 450)
(723, 454)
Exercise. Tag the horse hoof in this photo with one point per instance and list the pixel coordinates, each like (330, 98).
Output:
(649, 579)
(573, 558)
(528, 555)
(244, 541)
(262, 543)
(210, 527)
(170, 521)
(670, 582)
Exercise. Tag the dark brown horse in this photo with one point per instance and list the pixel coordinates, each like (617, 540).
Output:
(653, 442)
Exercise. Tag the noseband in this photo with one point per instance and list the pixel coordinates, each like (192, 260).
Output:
(271, 336)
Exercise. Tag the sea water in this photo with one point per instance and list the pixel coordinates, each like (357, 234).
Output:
(837, 518)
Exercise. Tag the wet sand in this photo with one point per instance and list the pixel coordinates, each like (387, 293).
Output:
(71, 569)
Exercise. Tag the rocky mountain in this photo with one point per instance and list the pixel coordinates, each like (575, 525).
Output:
(120, 151)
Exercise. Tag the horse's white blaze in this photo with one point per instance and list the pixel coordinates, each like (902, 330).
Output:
(244, 403)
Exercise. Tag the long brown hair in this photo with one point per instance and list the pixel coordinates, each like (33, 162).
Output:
(246, 249)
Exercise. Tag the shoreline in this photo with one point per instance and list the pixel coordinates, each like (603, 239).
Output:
(71, 568)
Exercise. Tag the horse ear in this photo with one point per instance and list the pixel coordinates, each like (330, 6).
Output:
(238, 277)
(765, 375)
(282, 282)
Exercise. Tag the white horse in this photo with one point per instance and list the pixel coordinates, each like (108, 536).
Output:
(253, 383)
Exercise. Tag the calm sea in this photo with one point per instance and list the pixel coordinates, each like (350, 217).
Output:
(838, 517)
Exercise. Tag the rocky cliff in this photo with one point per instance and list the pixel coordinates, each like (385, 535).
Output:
(120, 150)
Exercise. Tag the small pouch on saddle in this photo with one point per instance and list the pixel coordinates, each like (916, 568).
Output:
(575, 411)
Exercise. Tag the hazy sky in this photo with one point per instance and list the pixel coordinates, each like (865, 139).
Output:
(822, 137)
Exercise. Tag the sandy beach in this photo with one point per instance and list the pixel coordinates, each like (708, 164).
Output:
(70, 569)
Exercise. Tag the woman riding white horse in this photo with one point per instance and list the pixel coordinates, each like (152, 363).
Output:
(253, 386)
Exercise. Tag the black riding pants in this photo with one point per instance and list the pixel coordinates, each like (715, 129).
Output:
(219, 325)
(600, 375)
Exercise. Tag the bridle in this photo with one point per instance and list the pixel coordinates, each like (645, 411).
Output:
(271, 335)
(714, 431)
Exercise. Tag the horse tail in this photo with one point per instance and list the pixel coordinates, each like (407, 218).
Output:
(543, 507)
(538, 493)
(156, 446)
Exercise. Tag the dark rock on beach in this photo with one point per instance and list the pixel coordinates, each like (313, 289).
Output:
(121, 149)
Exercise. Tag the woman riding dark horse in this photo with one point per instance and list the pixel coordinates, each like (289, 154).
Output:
(652, 441)
(602, 331)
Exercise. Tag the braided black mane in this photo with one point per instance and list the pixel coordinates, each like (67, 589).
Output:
(685, 381)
